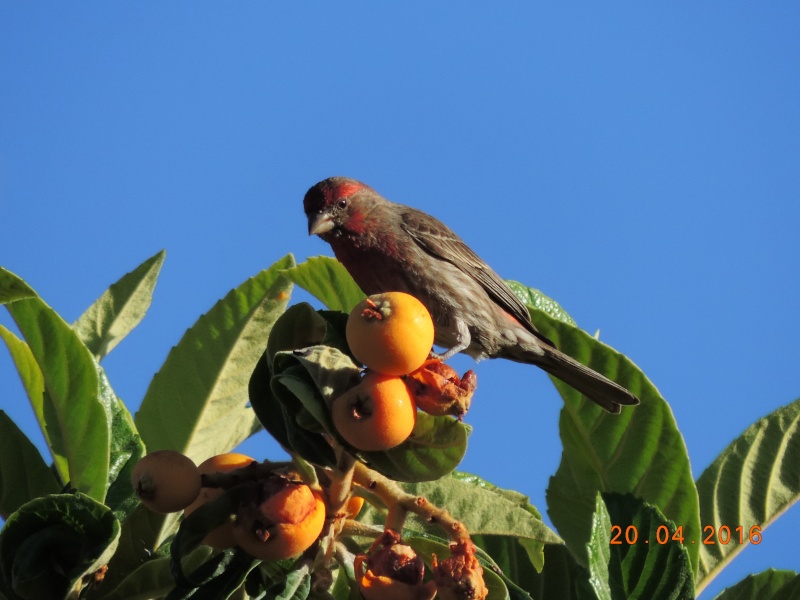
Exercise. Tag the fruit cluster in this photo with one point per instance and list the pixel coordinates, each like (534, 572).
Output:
(280, 516)
(392, 570)
(271, 512)
(392, 335)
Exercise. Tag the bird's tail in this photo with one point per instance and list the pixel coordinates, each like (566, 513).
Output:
(598, 388)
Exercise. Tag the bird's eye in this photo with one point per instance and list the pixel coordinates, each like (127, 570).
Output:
(342, 203)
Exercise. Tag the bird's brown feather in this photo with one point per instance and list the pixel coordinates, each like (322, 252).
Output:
(438, 240)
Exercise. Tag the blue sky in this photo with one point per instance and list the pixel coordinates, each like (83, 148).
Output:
(636, 163)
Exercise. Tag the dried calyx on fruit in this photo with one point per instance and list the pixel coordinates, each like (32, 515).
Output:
(392, 570)
(438, 390)
(460, 577)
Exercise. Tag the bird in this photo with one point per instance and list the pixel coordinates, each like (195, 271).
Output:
(390, 247)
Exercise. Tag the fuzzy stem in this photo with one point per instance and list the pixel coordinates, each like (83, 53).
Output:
(341, 480)
(401, 503)
(357, 528)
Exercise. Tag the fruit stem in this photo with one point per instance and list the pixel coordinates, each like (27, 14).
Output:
(341, 479)
(400, 503)
(357, 528)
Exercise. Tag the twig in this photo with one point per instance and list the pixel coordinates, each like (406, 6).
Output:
(400, 503)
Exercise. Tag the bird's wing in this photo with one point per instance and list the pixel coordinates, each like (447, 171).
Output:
(438, 240)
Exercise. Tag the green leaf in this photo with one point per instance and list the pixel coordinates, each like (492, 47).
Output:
(483, 508)
(561, 577)
(331, 372)
(600, 551)
(266, 405)
(768, 585)
(299, 327)
(533, 298)
(435, 448)
(222, 575)
(13, 288)
(125, 446)
(23, 474)
(533, 547)
(301, 411)
(268, 574)
(142, 532)
(29, 372)
(640, 565)
(501, 522)
(345, 588)
(751, 483)
(326, 279)
(296, 585)
(153, 578)
(50, 543)
(196, 526)
(125, 451)
(512, 559)
(74, 417)
(197, 402)
(639, 451)
(32, 380)
(119, 309)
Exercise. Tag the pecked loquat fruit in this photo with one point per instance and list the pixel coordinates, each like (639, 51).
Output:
(286, 522)
(391, 570)
(460, 577)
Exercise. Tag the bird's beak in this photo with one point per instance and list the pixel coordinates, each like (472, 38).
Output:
(319, 223)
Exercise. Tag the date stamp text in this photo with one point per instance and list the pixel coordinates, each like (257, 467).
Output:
(722, 535)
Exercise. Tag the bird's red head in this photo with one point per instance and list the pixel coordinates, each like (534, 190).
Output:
(329, 204)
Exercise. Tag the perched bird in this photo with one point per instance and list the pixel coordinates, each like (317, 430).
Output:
(390, 247)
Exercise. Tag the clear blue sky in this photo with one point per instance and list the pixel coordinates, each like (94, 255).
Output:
(638, 164)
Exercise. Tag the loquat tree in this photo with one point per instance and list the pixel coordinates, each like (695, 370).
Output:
(370, 502)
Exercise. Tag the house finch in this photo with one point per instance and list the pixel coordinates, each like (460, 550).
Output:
(390, 247)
